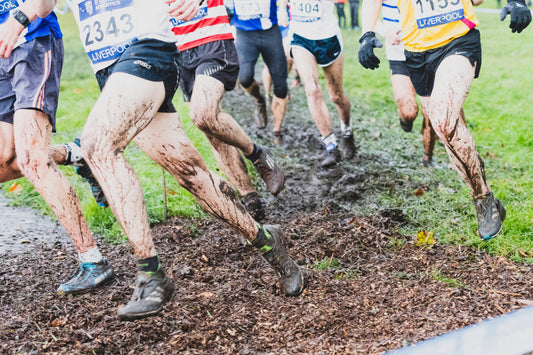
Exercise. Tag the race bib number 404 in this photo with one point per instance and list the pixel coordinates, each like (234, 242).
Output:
(252, 9)
(430, 13)
(306, 10)
(106, 28)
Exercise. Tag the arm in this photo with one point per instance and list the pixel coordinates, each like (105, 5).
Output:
(19, 19)
(183, 9)
(369, 14)
(283, 18)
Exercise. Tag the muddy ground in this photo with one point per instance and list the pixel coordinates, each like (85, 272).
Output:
(369, 288)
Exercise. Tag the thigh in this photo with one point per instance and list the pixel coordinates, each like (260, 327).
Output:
(306, 64)
(333, 74)
(248, 51)
(206, 95)
(32, 132)
(404, 92)
(125, 107)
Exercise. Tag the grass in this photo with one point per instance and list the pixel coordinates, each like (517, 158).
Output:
(496, 112)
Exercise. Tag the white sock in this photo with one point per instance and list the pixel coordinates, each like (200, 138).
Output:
(346, 130)
(74, 154)
(330, 141)
(91, 256)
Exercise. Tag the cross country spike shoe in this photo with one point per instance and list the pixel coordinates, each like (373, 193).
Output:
(270, 172)
(152, 291)
(490, 216)
(88, 277)
(270, 243)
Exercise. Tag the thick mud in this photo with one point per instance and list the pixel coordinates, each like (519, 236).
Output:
(369, 288)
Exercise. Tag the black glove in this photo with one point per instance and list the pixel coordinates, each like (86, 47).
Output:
(367, 57)
(520, 14)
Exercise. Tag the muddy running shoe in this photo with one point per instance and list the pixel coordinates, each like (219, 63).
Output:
(348, 147)
(407, 126)
(490, 216)
(83, 170)
(88, 277)
(270, 243)
(260, 115)
(152, 291)
(253, 204)
(332, 157)
(270, 172)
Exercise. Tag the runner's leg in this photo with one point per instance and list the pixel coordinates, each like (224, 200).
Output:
(125, 107)
(453, 79)
(32, 130)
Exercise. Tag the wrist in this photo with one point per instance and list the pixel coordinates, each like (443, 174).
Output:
(21, 18)
(366, 35)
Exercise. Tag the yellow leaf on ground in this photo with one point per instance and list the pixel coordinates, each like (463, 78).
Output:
(425, 238)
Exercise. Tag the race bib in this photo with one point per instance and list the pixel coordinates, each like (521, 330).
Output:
(7, 5)
(202, 12)
(106, 28)
(306, 10)
(252, 9)
(430, 13)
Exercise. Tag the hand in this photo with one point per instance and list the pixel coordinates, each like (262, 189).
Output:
(367, 58)
(182, 9)
(520, 14)
(393, 37)
(9, 34)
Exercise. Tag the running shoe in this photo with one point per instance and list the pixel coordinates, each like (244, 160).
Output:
(152, 291)
(348, 147)
(270, 172)
(490, 216)
(260, 115)
(83, 170)
(278, 138)
(291, 277)
(332, 157)
(88, 277)
(253, 204)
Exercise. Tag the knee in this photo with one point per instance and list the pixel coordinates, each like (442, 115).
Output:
(246, 79)
(408, 112)
(202, 118)
(313, 90)
(338, 97)
(31, 162)
(281, 90)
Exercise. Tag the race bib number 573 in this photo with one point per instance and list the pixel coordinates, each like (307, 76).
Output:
(430, 13)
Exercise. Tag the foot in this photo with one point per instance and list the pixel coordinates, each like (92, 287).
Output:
(278, 138)
(270, 172)
(291, 278)
(407, 126)
(490, 216)
(82, 169)
(260, 115)
(332, 157)
(152, 291)
(348, 147)
(296, 83)
(88, 277)
(429, 163)
(253, 204)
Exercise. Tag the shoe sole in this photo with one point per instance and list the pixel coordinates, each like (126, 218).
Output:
(135, 316)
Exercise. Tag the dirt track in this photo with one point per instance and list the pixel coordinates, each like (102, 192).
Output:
(366, 292)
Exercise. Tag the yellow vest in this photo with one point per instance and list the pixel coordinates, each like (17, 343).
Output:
(428, 24)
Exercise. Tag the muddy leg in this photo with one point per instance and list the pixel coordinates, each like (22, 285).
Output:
(308, 70)
(165, 141)
(333, 74)
(31, 132)
(405, 97)
(452, 84)
(429, 136)
(223, 132)
(9, 168)
(113, 122)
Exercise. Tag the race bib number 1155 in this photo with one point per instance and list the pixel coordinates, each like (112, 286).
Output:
(430, 13)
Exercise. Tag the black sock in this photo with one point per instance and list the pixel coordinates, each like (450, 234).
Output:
(261, 241)
(150, 264)
(255, 154)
